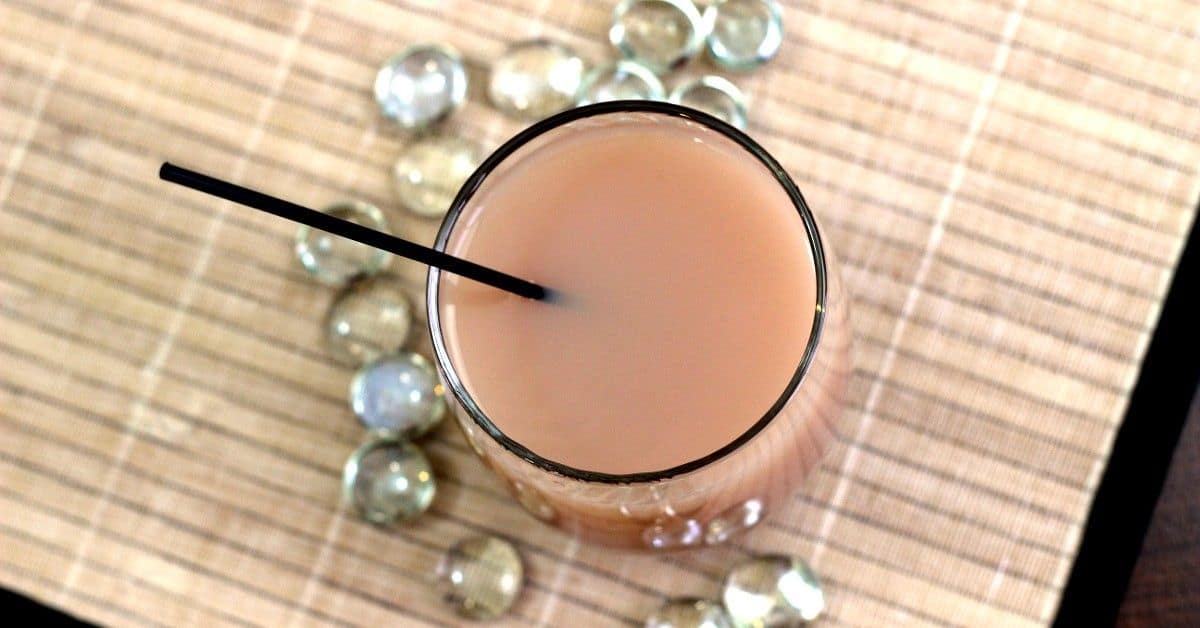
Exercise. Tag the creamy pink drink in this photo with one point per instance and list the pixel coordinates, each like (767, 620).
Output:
(689, 290)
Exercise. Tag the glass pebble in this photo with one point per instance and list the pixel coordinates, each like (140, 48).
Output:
(689, 612)
(421, 85)
(335, 260)
(369, 318)
(481, 577)
(744, 34)
(733, 520)
(660, 34)
(715, 96)
(772, 590)
(623, 80)
(430, 171)
(388, 480)
(398, 393)
(673, 532)
(535, 78)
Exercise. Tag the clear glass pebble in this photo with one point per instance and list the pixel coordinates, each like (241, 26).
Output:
(388, 480)
(772, 590)
(481, 577)
(715, 96)
(733, 520)
(369, 318)
(430, 171)
(660, 34)
(689, 612)
(623, 80)
(535, 78)
(399, 394)
(421, 85)
(334, 260)
(744, 34)
(673, 533)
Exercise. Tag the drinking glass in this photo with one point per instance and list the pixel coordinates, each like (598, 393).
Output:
(707, 500)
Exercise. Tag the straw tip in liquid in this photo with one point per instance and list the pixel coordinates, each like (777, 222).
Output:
(558, 297)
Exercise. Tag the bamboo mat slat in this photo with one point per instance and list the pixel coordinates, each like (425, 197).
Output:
(1007, 183)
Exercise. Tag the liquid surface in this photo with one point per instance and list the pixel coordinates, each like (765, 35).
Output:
(688, 283)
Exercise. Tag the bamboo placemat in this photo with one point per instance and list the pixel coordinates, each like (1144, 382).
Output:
(1007, 185)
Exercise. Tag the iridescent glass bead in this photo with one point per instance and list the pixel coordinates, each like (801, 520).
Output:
(369, 318)
(689, 612)
(772, 590)
(388, 480)
(421, 85)
(535, 78)
(335, 260)
(481, 577)
(399, 394)
(660, 34)
(429, 172)
(622, 80)
(744, 33)
(733, 520)
(715, 96)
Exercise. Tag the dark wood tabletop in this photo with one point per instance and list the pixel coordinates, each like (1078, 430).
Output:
(1165, 587)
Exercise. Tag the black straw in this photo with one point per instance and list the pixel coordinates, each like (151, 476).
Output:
(351, 231)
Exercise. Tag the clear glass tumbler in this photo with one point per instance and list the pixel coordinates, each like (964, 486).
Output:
(705, 501)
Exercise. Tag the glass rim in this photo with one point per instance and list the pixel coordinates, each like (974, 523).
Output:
(472, 185)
